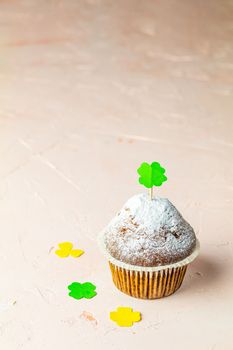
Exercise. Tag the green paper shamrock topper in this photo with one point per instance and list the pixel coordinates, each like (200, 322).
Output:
(151, 175)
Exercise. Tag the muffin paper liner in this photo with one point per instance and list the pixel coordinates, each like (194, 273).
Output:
(147, 285)
(147, 282)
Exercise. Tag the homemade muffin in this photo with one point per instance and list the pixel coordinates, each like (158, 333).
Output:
(149, 246)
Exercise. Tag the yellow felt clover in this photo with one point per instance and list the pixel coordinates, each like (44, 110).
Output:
(66, 249)
(125, 316)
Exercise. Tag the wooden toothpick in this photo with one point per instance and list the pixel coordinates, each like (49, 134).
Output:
(151, 193)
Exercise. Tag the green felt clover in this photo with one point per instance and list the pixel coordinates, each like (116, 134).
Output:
(82, 290)
(151, 174)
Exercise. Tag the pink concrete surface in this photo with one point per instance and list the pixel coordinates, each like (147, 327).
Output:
(89, 90)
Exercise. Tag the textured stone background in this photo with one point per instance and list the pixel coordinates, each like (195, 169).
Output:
(89, 90)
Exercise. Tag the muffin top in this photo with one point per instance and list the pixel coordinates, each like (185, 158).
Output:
(149, 233)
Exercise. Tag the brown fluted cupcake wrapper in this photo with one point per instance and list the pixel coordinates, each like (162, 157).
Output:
(148, 284)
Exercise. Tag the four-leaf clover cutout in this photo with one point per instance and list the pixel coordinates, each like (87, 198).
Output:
(66, 249)
(82, 290)
(151, 174)
(125, 316)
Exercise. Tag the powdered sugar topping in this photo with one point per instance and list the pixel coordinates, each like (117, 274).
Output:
(149, 233)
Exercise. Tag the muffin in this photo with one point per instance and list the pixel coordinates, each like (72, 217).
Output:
(149, 246)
